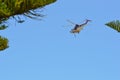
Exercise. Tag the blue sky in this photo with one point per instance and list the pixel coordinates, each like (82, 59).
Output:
(46, 50)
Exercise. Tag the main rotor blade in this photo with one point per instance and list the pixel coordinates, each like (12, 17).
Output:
(71, 22)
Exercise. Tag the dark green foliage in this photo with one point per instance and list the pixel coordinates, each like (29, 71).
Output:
(3, 43)
(16, 9)
(114, 24)
(27, 8)
(2, 27)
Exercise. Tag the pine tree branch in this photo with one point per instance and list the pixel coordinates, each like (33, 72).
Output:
(114, 24)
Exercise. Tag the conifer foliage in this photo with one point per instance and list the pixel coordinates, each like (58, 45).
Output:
(114, 24)
(17, 8)
(3, 43)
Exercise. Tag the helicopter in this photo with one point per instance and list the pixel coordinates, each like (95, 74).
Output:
(78, 27)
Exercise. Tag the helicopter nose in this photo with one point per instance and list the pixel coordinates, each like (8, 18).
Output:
(72, 31)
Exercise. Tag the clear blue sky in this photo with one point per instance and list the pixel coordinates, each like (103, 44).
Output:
(45, 50)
